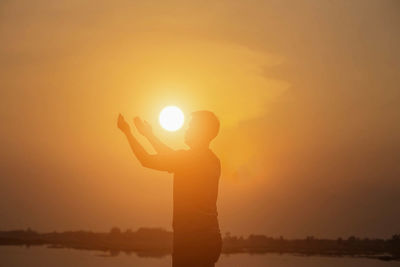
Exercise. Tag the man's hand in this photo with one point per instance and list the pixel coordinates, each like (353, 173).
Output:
(123, 125)
(143, 127)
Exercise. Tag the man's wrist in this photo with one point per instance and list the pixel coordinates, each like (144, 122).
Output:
(150, 135)
(128, 132)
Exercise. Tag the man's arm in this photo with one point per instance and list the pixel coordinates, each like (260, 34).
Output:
(150, 161)
(145, 129)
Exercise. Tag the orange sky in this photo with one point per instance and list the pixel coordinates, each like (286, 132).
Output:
(307, 93)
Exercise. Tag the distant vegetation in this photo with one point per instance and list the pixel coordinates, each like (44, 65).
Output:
(157, 242)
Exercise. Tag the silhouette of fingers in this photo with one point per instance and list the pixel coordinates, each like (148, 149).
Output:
(137, 121)
(120, 121)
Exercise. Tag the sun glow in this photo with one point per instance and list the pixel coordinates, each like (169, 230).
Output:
(171, 118)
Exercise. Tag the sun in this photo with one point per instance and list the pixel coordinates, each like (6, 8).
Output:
(171, 118)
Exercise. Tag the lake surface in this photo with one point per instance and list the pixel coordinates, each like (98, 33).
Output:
(41, 256)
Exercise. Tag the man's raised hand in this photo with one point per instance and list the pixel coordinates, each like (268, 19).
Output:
(123, 125)
(143, 127)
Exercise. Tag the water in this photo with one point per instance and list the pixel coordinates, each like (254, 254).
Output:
(41, 256)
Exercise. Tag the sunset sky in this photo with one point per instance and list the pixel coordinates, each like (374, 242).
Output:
(308, 94)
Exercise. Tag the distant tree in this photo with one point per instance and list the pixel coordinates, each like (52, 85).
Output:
(30, 231)
(114, 253)
(115, 231)
(352, 239)
(227, 235)
(396, 238)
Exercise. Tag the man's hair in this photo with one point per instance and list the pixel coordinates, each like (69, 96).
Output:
(208, 122)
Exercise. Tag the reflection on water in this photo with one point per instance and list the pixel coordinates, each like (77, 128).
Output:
(14, 256)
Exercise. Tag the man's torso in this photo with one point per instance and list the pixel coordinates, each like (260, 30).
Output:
(195, 192)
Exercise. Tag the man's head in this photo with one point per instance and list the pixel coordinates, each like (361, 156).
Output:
(203, 127)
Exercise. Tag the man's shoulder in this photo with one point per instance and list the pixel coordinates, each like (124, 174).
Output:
(181, 151)
(214, 156)
(212, 159)
(203, 155)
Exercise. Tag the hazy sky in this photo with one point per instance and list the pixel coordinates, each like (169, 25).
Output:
(307, 92)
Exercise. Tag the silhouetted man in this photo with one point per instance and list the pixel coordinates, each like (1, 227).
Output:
(197, 238)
